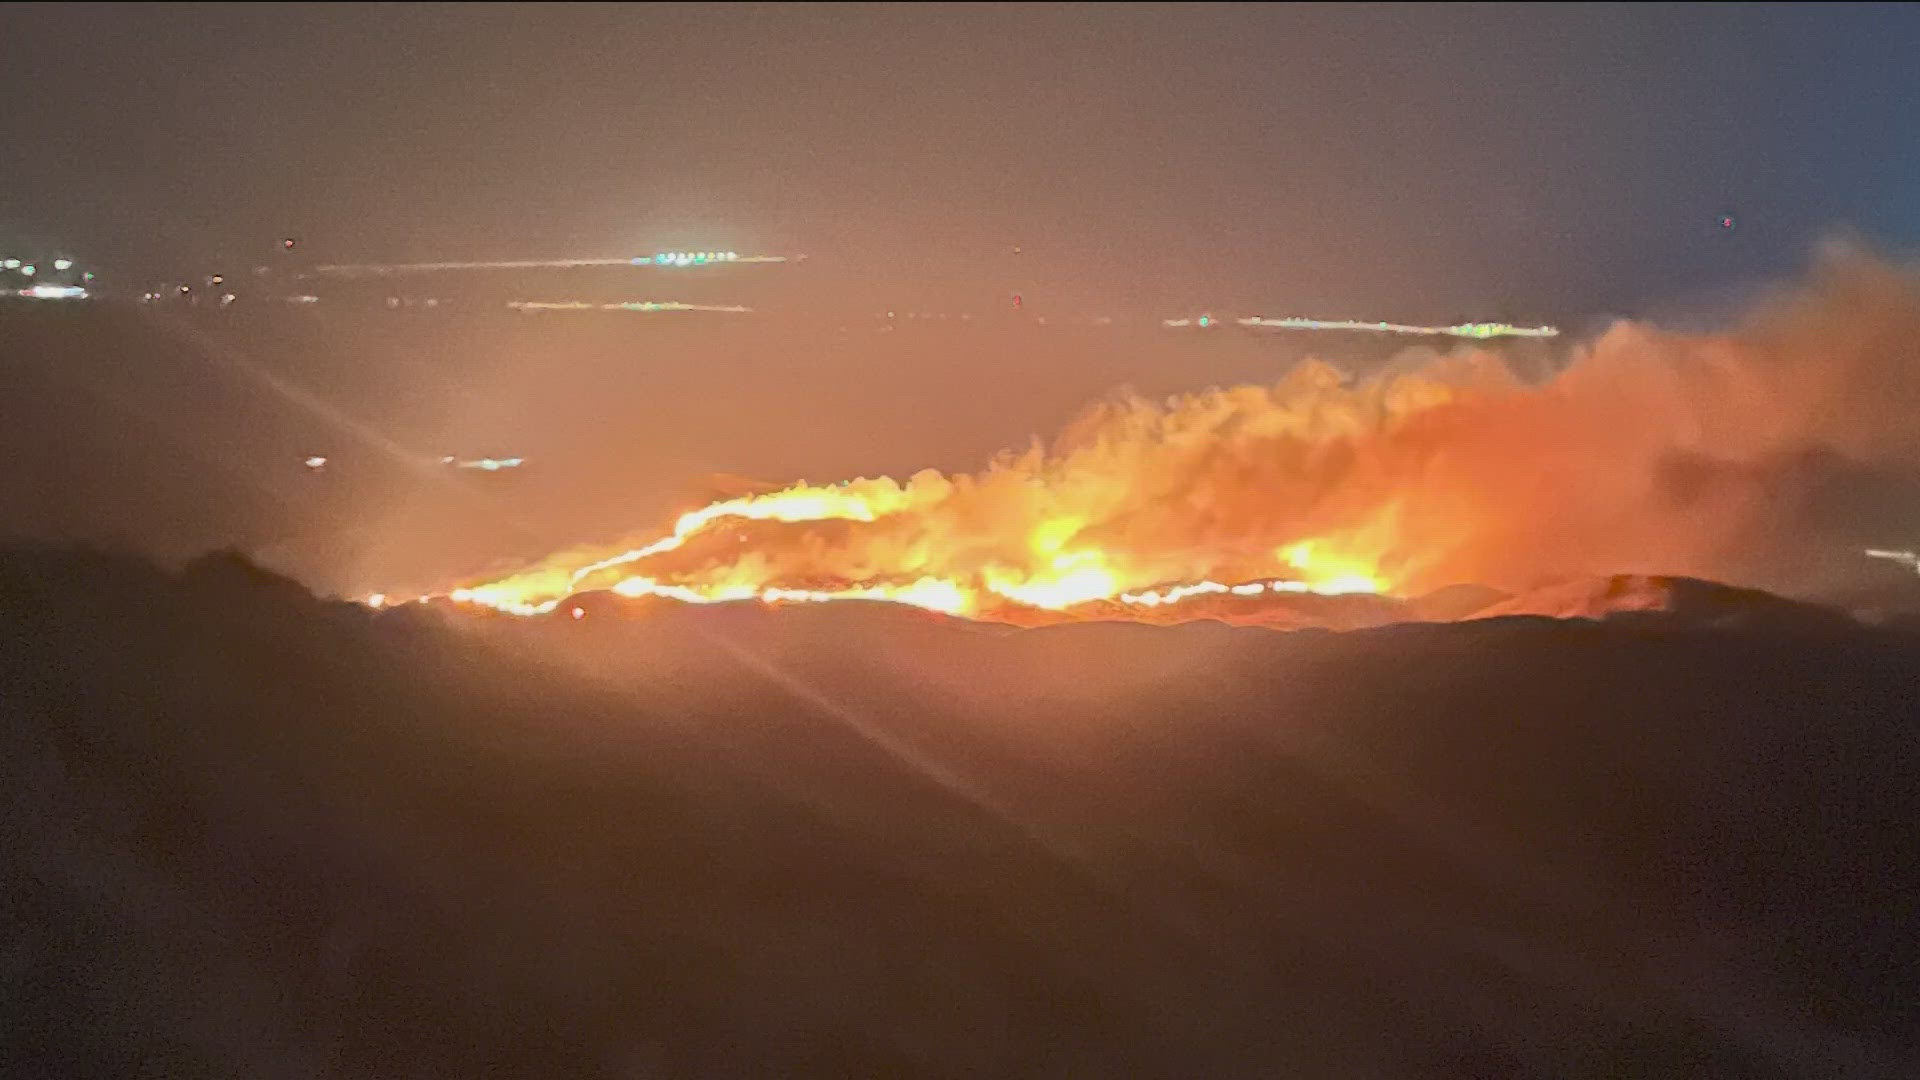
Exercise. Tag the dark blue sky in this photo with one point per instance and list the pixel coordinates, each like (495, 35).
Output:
(1408, 162)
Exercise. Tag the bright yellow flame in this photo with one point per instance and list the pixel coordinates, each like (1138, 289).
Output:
(930, 593)
(536, 591)
(1330, 574)
(1046, 534)
(1055, 593)
(1070, 577)
(1053, 534)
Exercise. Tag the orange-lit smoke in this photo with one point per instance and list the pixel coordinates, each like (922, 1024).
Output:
(1647, 452)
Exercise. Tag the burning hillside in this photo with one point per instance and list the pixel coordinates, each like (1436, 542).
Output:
(1713, 455)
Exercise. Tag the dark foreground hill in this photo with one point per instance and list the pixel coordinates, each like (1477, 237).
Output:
(253, 833)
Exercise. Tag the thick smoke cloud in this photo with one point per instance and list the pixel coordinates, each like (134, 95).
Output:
(1765, 454)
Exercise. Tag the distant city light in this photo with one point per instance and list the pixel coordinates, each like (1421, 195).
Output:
(485, 464)
(316, 462)
(1479, 331)
(648, 306)
(1908, 559)
(700, 258)
(1460, 331)
(664, 258)
(11, 264)
(53, 292)
(63, 264)
(29, 270)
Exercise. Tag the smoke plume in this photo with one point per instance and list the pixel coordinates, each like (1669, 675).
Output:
(1761, 454)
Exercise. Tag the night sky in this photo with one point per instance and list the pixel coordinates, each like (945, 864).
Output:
(1373, 162)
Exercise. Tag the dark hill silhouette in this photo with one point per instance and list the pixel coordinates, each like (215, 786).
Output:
(1677, 597)
(251, 832)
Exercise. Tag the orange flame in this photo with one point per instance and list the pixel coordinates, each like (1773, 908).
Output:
(1645, 452)
(1049, 533)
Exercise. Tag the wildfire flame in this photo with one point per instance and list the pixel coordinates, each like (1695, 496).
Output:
(1643, 452)
(1038, 531)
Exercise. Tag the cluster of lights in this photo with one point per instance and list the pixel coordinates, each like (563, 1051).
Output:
(52, 292)
(484, 464)
(644, 306)
(44, 290)
(936, 316)
(664, 258)
(29, 269)
(1465, 330)
(690, 258)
